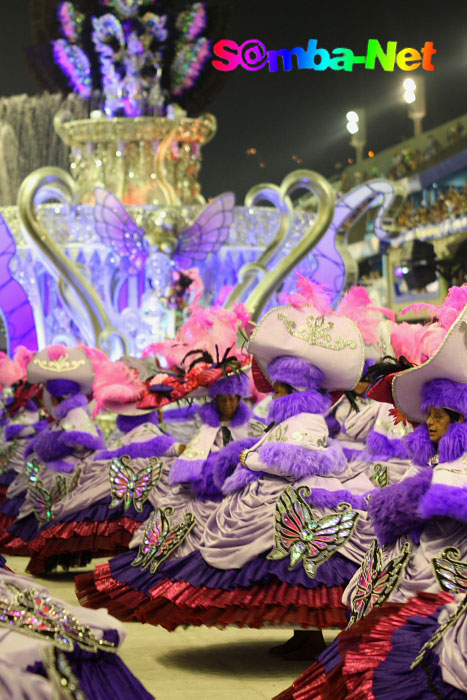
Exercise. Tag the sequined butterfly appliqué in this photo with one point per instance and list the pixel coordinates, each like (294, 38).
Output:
(35, 614)
(160, 538)
(300, 534)
(43, 500)
(451, 575)
(129, 486)
(377, 580)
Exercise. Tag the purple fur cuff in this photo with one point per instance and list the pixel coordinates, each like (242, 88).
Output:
(393, 510)
(48, 446)
(59, 465)
(333, 424)
(78, 438)
(312, 401)
(294, 461)
(295, 371)
(16, 431)
(321, 498)
(446, 501)
(454, 444)
(379, 446)
(184, 471)
(419, 446)
(237, 385)
(444, 393)
(157, 447)
(228, 458)
(180, 415)
(76, 401)
(239, 479)
(127, 423)
(205, 488)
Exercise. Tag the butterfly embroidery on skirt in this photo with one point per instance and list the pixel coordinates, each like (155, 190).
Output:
(43, 500)
(377, 581)
(303, 536)
(451, 573)
(160, 538)
(32, 613)
(129, 486)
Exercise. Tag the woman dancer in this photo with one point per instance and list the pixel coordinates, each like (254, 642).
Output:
(408, 627)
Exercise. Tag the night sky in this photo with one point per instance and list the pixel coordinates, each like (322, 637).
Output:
(302, 112)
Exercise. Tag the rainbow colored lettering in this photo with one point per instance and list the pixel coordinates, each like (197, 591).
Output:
(253, 55)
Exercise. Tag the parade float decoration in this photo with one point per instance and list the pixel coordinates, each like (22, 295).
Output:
(128, 239)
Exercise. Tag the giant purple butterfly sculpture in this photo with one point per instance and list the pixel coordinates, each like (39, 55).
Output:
(206, 235)
(191, 245)
(15, 308)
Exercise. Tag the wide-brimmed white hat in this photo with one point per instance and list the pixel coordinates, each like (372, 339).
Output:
(449, 362)
(331, 343)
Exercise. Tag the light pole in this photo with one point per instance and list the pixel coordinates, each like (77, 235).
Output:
(414, 95)
(356, 125)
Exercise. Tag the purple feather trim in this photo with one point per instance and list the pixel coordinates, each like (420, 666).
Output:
(239, 479)
(312, 401)
(185, 413)
(127, 423)
(379, 446)
(184, 471)
(419, 446)
(228, 458)
(296, 372)
(236, 385)
(454, 444)
(14, 431)
(209, 415)
(393, 510)
(205, 488)
(77, 438)
(48, 446)
(321, 498)
(76, 401)
(62, 387)
(295, 461)
(156, 447)
(333, 424)
(442, 500)
(444, 393)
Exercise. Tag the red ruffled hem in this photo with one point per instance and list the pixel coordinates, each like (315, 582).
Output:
(362, 648)
(100, 590)
(102, 539)
(179, 603)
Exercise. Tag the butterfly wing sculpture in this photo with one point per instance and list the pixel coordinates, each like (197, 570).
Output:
(377, 580)
(208, 233)
(129, 486)
(303, 536)
(160, 538)
(118, 231)
(451, 573)
(17, 312)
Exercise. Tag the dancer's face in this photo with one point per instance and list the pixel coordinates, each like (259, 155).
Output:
(227, 405)
(438, 423)
(281, 389)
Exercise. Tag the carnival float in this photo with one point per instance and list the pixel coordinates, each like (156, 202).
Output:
(111, 250)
